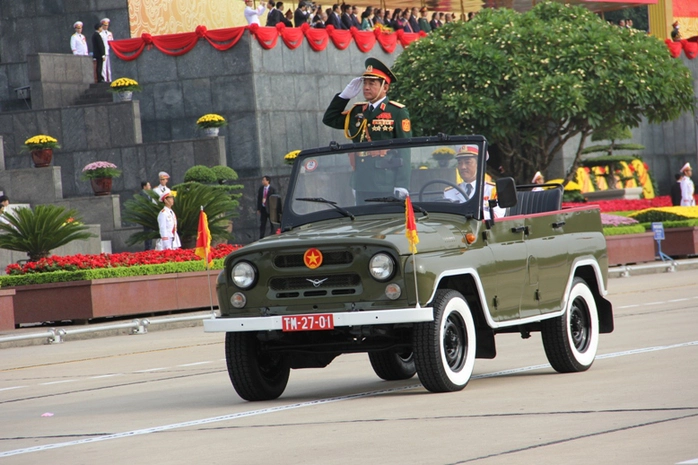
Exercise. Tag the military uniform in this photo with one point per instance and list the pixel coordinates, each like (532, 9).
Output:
(378, 172)
(167, 224)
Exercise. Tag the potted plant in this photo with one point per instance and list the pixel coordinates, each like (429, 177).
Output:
(443, 155)
(123, 89)
(290, 157)
(210, 124)
(41, 147)
(100, 174)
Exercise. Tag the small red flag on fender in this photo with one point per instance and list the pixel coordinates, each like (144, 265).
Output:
(410, 226)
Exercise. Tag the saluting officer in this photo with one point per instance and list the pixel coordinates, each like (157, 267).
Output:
(377, 173)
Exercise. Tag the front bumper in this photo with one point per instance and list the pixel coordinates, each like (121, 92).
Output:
(274, 323)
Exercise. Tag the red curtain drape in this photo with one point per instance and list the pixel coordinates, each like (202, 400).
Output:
(341, 38)
(266, 36)
(292, 36)
(364, 40)
(689, 47)
(388, 42)
(317, 38)
(224, 39)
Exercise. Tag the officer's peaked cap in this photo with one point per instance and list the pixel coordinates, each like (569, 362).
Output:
(375, 69)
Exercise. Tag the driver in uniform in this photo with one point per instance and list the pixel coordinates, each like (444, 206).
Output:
(467, 159)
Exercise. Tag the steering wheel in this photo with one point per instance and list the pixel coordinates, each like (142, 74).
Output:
(440, 181)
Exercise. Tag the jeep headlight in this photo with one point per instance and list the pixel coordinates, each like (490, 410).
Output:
(381, 266)
(243, 275)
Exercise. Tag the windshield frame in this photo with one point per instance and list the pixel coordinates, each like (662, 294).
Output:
(469, 209)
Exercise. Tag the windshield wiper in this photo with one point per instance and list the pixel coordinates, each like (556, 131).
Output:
(328, 202)
(396, 200)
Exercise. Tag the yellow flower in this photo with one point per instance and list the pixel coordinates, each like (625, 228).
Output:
(124, 82)
(292, 155)
(211, 120)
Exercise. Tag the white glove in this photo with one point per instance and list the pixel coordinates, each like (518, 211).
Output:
(401, 193)
(353, 89)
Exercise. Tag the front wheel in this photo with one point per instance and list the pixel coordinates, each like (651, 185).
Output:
(256, 374)
(571, 340)
(444, 349)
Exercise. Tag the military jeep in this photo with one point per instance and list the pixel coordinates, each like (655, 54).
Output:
(340, 277)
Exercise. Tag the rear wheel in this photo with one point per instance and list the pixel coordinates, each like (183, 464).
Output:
(445, 348)
(571, 340)
(256, 374)
(392, 366)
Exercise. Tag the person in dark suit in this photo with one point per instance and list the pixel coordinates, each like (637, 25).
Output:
(99, 53)
(265, 191)
(334, 19)
(676, 190)
(347, 21)
(300, 16)
(276, 14)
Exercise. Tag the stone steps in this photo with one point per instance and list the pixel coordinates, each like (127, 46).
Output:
(97, 93)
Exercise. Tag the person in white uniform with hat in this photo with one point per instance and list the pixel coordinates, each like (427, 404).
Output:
(106, 37)
(78, 43)
(466, 156)
(162, 187)
(687, 187)
(167, 223)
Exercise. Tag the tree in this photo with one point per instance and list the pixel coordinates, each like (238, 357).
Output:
(41, 230)
(531, 82)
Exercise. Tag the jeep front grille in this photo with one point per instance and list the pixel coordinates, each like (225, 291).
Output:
(328, 258)
(306, 282)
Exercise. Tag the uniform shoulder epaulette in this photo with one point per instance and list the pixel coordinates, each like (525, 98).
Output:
(490, 183)
(397, 104)
(162, 210)
(361, 103)
(448, 188)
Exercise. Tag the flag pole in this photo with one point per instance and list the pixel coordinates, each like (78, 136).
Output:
(208, 278)
(414, 268)
(412, 240)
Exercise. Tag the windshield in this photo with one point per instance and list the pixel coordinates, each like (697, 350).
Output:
(439, 174)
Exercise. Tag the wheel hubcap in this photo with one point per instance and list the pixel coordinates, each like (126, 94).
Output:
(579, 325)
(455, 342)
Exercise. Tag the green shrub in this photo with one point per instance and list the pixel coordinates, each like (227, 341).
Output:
(218, 205)
(200, 173)
(622, 230)
(224, 174)
(101, 273)
(37, 232)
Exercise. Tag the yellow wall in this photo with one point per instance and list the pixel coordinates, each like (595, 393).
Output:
(158, 17)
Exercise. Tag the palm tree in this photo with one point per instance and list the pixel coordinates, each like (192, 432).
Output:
(217, 203)
(41, 230)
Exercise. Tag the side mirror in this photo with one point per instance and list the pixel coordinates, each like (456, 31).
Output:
(506, 192)
(275, 208)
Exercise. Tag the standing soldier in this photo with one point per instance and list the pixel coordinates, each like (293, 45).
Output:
(377, 173)
(78, 43)
(687, 187)
(167, 223)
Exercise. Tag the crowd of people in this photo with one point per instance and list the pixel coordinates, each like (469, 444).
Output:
(345, 16)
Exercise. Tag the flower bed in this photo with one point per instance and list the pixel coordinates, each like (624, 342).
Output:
(125, 259)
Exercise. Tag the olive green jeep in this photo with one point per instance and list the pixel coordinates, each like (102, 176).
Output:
(341, 276)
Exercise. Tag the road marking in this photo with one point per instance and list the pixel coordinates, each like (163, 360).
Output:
(678, 300)
(626, 306)
(652, 303)
(688, 462)
(57, 382)
(151, 369)
(194, 364)
(105, 376)
(312, 403)
(10, 388)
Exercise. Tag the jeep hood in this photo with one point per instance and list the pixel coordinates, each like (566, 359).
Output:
(436, 232)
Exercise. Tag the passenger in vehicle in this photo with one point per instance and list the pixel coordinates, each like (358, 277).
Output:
(467, 157)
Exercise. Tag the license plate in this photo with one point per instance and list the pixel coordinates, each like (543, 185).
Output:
(316, 322)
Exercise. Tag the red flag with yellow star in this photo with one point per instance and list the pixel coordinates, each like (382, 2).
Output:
(410, 226)
(203, 239)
